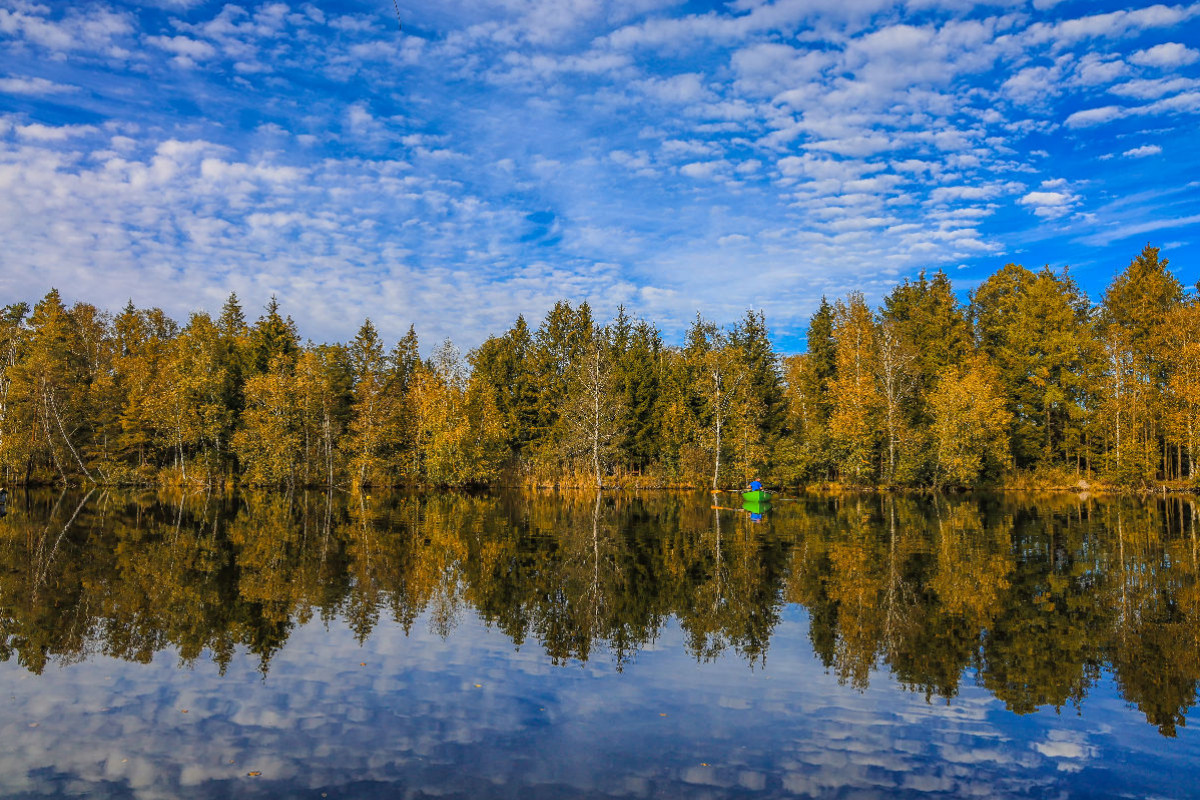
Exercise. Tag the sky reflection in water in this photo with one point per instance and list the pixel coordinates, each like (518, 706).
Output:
(713, 680)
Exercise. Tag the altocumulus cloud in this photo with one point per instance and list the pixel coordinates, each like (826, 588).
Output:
(492, 157)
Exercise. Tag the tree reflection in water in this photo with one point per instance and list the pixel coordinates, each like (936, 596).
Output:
(1031, 598)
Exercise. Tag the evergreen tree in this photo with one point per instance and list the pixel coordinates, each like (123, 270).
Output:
(822, 360)
(370, 407)
(637, 362)
(928, 316)
(1035, 330)
(764, 382)
(272, 336)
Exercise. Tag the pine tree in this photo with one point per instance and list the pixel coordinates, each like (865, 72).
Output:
(272, 336)
(929, 317)
(1034, 329)
(370, 407)
(764, 384)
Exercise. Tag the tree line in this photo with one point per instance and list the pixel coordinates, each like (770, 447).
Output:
(1028, 378)
(1039, 600)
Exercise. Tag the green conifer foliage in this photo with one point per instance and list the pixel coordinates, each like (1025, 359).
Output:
(1034, 328)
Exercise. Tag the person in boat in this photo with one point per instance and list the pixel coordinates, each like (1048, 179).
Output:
(756, 485)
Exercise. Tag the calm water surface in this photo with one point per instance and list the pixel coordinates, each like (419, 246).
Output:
(530, 646)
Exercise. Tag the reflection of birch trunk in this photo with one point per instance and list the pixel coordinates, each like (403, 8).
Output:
(718, 574)
(890, 616)
(326, 527)
(1123, 617)
(44, 563)
(595, 589)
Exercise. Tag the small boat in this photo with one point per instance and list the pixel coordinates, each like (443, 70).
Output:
(757, 509)
(757, 496)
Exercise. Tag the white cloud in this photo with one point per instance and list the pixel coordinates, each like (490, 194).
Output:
(1144, 150)
(1109, 25)
(187, 51)
(52, 133)
(33, 86)
(1183, 103)
(812, 127)
(183, 46)
(1093, 116)
(1148, 89)
(1049, 204)
(1034, 84)
(1166, 56)
(704, 169)
(944, 194)
(94, 29)
(1094, 69)
(677, 89)
(861, 145)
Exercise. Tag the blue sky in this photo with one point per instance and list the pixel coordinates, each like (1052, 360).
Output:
(496, 155)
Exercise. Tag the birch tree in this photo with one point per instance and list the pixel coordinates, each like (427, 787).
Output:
(596, 409)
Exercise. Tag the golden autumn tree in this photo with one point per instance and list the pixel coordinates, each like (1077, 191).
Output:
(853, 425)
(1183, 387)
(322, 387)
(268, 444)
(970, 425)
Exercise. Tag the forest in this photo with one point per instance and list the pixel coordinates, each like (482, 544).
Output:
(1030, 383)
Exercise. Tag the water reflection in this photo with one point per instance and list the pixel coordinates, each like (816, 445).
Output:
(1031, 600)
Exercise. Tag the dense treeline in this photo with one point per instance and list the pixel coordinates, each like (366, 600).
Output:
(1029, 376)
(1038, 600)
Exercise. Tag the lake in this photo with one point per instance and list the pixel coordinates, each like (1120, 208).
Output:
(549, 645)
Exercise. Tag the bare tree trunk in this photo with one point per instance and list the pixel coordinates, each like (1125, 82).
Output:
(596, 389)
(50, 445)
(717, 460)
(596, 443)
